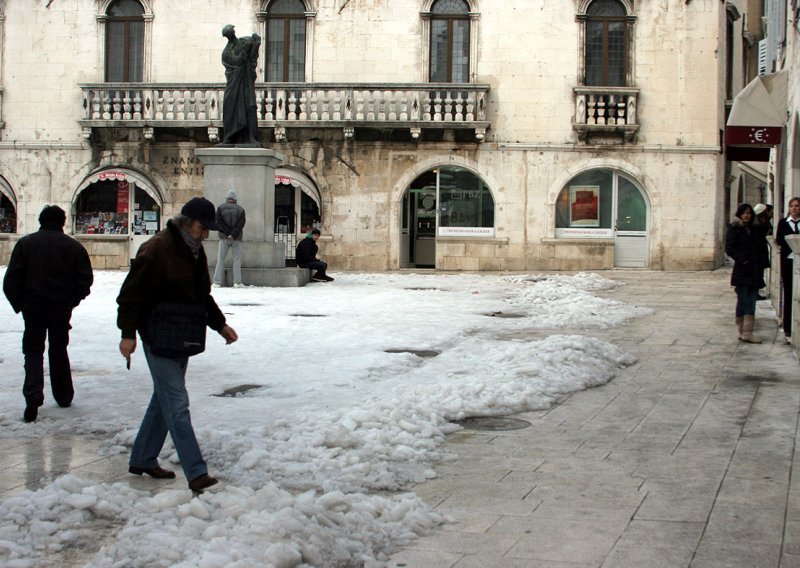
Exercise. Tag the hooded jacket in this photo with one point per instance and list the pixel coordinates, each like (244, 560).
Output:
(165, 270)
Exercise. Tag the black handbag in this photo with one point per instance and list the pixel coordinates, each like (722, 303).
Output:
(177, 330)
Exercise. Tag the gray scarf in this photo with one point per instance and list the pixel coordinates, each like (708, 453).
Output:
(194, 244)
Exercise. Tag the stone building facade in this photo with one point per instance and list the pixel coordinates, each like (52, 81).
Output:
(448, 134)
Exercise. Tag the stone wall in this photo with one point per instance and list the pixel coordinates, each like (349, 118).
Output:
(530, 153)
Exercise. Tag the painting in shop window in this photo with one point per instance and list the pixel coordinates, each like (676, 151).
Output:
(583, 206)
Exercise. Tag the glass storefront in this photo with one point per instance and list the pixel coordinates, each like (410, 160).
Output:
(448, 201)
(598, 203)
(464, 200)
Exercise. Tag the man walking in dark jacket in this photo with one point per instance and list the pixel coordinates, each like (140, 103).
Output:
(306, 257)
(47, 277)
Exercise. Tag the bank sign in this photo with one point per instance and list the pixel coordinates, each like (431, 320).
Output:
(466, 231)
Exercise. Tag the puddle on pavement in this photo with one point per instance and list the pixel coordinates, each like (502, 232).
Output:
(424, 353)
(308, 315)
(504, 315)
(423, 288)
(492, 423)
(755, 378)
(244, 304)
(239, 389)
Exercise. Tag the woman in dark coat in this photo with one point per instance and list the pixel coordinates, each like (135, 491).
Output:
(741, 244)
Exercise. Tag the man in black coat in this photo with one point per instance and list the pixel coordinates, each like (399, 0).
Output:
(306, 257)
(47, 277)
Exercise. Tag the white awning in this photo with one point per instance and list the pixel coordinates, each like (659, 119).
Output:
(763, 102)
(759, 113)
(294, 178)
(111, 174)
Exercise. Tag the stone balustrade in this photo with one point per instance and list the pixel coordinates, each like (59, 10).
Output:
(606, 111)
(415, 106)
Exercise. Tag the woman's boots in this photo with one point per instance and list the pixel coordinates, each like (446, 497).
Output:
(739, 322)
(748, 323)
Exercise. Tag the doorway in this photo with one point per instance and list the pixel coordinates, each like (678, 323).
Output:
(447, 201)
(418, 242)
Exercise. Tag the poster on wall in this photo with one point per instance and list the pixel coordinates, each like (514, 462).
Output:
(583, 206)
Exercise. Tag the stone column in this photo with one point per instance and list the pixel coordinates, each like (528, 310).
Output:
(250, 172)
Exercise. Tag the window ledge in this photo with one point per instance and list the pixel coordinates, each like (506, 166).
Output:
(583, 241)
(100, 237)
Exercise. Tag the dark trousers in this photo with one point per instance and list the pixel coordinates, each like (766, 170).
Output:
(51, 323)
(787, 271)
(317, 265)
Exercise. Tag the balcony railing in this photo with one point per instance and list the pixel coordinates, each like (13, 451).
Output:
(606, 111)
(415, 106)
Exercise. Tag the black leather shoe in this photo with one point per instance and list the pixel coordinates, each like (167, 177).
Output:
(202, 482)
(156, 472)
(31, 412)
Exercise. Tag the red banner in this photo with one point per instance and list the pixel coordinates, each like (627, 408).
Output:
(123, 196)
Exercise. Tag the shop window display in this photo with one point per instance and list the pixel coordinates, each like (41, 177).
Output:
(104, 208)
(586, 201)
(599, 202)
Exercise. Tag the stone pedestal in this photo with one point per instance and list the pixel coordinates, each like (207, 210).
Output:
(250, 172)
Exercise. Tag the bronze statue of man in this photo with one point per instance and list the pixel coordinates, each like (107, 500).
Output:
(239, 118)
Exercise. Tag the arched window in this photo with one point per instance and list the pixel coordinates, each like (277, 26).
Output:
(125, 42)
(8, 209)
(286, 41)
(596, 203)
(606, 44)
(450, 42)
(116, 203)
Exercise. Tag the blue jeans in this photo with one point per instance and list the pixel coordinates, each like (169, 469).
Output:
(746, 298)
(168, 411)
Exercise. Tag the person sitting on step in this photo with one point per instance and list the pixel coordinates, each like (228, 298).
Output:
(306, 257)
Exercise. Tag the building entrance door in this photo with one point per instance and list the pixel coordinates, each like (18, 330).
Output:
(418, 233)
(630, 230)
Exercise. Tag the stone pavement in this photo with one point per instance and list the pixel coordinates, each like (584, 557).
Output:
(684, 459)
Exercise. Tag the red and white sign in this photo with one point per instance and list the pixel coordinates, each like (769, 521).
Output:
(111, 175)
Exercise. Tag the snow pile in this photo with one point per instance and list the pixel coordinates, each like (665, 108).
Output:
(351, 389)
